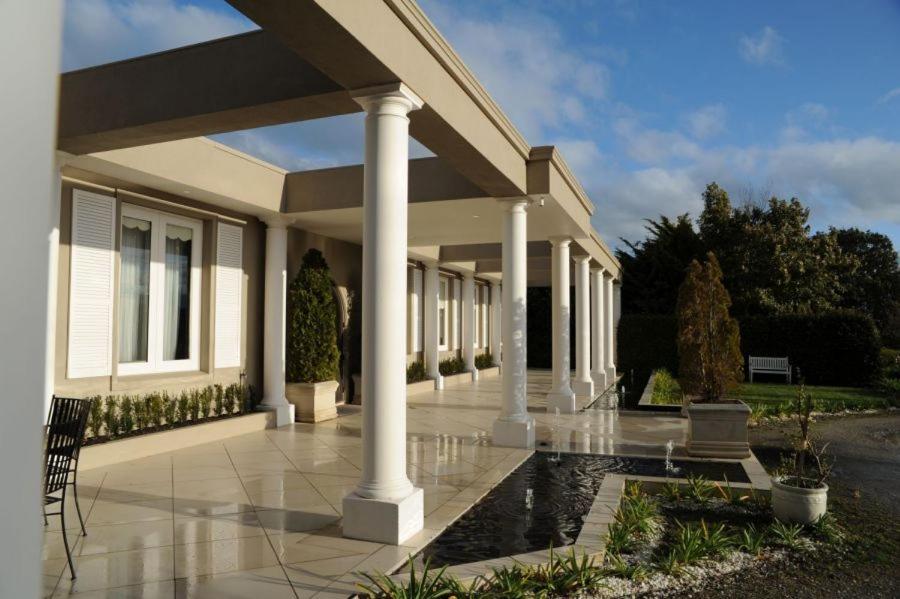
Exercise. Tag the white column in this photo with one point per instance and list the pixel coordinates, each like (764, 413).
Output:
(561, 395)
(469, 323)
(583, 385)
(385, 507)
(514, 427)
(598, 366)
(432, 322)
(30, 42)
(274, 323)
(496, 347)
(608, 322)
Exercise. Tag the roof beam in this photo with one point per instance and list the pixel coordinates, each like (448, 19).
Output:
(430, 180)
(360, 44)
(239, 82)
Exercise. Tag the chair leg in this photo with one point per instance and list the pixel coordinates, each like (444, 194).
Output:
(62, 518)
(77, 505)
(44, 512)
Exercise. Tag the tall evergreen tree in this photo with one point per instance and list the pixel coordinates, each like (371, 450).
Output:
(709, 341)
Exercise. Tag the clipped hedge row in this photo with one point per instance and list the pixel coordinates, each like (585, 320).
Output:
(647, 342)
(833, 348)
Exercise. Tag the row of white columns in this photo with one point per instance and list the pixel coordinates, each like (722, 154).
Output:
(385, 506)
(597, 299)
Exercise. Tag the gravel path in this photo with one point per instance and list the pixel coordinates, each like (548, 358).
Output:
(865, 497)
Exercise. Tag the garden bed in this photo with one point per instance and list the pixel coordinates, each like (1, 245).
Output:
(683, 535)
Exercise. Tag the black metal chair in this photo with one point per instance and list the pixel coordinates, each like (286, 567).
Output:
(62, 445)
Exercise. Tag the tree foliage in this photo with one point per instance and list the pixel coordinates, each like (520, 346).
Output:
(312, 351)
(772, 264)
(709, 341)
(873, 286)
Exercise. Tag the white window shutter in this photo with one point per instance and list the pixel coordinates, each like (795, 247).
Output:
(91, 284)
(229, 292)
(454, 315)
(417, 308)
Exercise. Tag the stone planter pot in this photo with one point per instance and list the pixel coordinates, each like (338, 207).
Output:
(718, 430)
(796, 504)
(313, 402)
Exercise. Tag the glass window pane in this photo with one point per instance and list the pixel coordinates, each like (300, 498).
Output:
(134, 290)
(177, 299)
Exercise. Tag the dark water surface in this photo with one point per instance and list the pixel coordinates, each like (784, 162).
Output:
(544, 501)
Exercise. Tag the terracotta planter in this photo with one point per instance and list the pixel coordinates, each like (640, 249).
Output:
(796, 504)
(718, 430)
(313, 402)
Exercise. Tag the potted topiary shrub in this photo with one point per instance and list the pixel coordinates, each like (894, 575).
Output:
(312, 351)
(799, 492)
(710, 365)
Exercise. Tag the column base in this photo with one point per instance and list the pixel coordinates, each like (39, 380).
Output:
(583, 388)
(565, 401)
(599, 381)
(438, 382)
(610, 374)
(284, 414)
(390, 521)
(474, 375)
(514, 433)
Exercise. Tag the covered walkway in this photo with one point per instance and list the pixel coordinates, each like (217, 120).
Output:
(260, 515)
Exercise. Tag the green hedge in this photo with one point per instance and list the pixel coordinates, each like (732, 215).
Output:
(647, 342)
(834, 348)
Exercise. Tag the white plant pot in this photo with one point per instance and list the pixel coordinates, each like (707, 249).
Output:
(795, 504)
(313, 402)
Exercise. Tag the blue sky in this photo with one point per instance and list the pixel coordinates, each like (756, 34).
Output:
(649, 101)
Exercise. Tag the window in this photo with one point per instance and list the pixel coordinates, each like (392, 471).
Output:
(443, 314)
(159, 292)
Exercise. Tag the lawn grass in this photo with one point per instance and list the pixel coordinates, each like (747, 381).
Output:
(767, 399)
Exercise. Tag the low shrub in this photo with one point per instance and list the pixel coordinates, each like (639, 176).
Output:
(483, 361)
(415, 372)
(666, 390)
(115, 416)
(450, 366)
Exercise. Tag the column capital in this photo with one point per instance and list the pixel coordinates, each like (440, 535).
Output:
(382, 97)
(278, 221)
(515, 204)
(597, 269)
(581, 259)
(430, 263)
(468, 275)
(560, 240)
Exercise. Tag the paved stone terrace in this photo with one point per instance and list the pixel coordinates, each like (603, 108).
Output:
(259, 515)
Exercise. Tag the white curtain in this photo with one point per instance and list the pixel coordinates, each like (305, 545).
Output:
(177, 298)
(134, 301)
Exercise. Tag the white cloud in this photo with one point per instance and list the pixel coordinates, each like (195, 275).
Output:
(707, 121)
(527, 65)
(891, 95)
(100, 31)
(652, 146)
(802, 121)
(763, 48)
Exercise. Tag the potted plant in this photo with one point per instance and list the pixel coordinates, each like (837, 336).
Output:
(710, 365)
(799, 492)
(312, 351)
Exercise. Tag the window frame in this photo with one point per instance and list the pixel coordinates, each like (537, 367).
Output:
(159, 221)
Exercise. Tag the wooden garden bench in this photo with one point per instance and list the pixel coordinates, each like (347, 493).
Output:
(769, 366)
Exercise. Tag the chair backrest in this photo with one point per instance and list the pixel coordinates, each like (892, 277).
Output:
(65, 433)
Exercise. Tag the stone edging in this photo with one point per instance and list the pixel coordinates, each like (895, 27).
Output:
(647, 395)
(142, 446)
